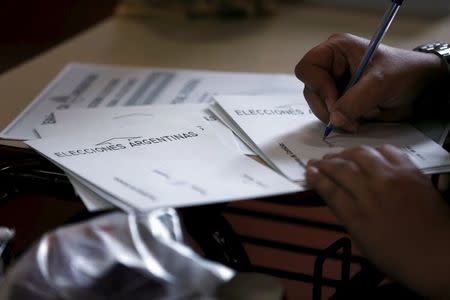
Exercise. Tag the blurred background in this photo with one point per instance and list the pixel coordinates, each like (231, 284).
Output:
(29, 27)
(420, 8)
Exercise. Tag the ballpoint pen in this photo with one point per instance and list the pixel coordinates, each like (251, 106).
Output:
(384, 26)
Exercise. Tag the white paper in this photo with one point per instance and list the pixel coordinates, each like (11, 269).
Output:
(161, 163)
(91, 200)
(76, 120)
(286, 134)
(93, 86)
(73, 121)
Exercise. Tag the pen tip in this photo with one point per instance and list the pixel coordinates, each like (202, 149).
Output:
(327, 132)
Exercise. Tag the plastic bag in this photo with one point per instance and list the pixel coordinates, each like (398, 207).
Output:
(116, 256)
(6, 235)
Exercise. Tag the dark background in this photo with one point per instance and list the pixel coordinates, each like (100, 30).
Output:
(30, 27)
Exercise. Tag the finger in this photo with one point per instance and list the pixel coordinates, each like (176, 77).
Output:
(360, 100)
(316, 105)
(368, 159)
(337, 198)
(315, 69)
(344, 173)
(394, 155)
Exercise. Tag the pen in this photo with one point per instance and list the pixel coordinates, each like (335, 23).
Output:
(384, 26)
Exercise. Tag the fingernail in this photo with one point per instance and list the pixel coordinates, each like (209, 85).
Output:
(311, 171)
(312, 162)
(329, 155)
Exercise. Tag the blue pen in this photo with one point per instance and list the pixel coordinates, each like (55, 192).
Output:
(376, 40)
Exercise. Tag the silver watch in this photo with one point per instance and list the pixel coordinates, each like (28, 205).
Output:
(440, 49)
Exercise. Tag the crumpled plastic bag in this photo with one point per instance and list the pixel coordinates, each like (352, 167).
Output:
(6, 235)
(116, 256)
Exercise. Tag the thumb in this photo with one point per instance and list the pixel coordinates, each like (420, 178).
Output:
(358, 102)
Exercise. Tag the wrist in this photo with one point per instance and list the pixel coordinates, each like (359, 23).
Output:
(439, 49)
(433, 100)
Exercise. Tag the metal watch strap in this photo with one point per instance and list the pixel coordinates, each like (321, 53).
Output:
(440, 49)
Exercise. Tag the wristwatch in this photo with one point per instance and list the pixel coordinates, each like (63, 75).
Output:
(440, 49)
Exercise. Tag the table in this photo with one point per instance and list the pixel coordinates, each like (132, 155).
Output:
(272, 44)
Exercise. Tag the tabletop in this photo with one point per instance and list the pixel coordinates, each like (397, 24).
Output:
(271, 44)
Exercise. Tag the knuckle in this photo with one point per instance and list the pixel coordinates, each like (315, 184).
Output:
(347, 167)
(301, 69)
(387, 148)
(395, 152)
(362, 150)
(392, 150)
(378, 77)
(338, 167)
(344, 169)
(363, 155)
(340, 36)
(308, 93)
(331, 165)
(298, 71)
(394, 179)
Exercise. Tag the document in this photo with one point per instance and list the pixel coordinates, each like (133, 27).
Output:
(92, 200)
(164, 162)
(284, 132)
(94, 86)
(74, 121)
(67, 122)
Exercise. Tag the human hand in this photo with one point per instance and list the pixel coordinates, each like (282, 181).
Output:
(392, 212)
(391, 83)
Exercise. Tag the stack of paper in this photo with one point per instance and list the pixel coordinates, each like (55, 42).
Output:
(283, 131)
(99, 125)
(94, 86)
(157, 157)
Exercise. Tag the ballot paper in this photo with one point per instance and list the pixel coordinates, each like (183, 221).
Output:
(73, 121)
(162, 162)
(93, 86)
(76, 120)
(90, 198)
(284, 132)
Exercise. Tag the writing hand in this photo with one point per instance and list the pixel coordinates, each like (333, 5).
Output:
(391, 83)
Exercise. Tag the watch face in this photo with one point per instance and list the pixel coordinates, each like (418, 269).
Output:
(440, 49)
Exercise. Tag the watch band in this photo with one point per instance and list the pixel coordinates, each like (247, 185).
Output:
(440, 49)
